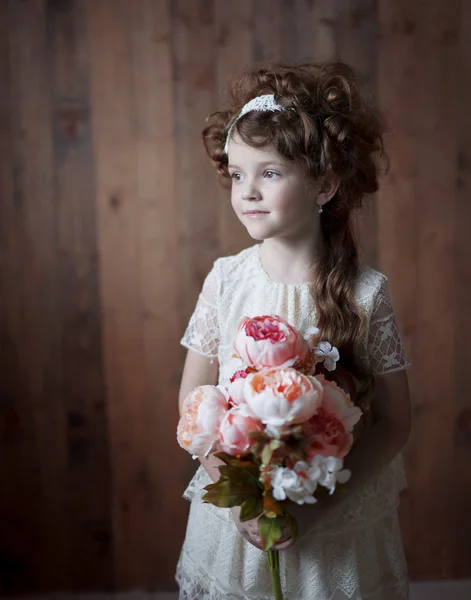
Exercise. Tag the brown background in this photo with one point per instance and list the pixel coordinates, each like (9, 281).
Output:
(110, 217)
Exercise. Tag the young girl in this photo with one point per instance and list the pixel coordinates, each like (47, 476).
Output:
(299, 145)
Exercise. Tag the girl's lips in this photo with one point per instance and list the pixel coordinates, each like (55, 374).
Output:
(255, 213)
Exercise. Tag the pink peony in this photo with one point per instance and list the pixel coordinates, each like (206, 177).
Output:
(282, 396)
(235, 388)
(269, 341)
(234, 432)
(330, 429)
(202, 412)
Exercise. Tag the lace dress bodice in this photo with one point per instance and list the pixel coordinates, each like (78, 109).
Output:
(238, 286)
(216, 563)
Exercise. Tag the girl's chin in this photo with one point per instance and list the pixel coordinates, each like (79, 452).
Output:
(258, 236)
(258, 232)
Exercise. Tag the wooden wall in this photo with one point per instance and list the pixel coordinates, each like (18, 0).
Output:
(110, 217)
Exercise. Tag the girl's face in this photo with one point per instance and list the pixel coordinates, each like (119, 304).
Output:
(273, 197)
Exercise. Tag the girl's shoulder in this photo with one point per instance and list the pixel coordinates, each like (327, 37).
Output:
(370, 283)
(235, 267)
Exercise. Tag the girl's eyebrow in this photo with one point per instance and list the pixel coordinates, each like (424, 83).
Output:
(262, 164)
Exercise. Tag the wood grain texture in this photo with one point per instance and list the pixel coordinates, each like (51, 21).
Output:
(110, 218)
(157, 165)
(420, 90)
(196, 187)
(266, 21)
(460, 525)
(19, 516)
(35, 328)
(118, 221)
(355, 41)
(234, 39)
(87, 474)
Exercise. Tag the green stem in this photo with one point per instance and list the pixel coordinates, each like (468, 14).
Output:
(274, 562)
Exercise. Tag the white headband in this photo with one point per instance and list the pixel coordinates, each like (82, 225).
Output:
(260, 103)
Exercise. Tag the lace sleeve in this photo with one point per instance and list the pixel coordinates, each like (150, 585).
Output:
(385, 350)
(202, 333)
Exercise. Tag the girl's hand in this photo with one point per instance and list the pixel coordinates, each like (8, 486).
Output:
(249, 531)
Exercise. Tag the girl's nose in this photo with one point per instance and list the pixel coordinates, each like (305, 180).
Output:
(252, 194)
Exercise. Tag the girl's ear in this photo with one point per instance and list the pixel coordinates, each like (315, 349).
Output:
(328, 189)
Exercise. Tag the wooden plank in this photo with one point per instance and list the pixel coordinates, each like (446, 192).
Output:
(35, 329)
(287, 31)
(438, 126)
(398, 70)
(414, 55)
(157, 170)
(322, 37)
(266, 21)
(355, 36)
(315, 21)
(355, 44)
(19, 505)
(119, 235)
(234, 56)
(459, 564)
(196, 185)
(83, 398)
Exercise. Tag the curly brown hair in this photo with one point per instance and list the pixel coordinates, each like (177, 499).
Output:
(331, 129)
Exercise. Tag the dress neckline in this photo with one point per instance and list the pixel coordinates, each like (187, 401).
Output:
(266, 276)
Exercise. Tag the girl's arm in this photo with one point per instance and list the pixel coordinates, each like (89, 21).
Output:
(374, 451)
(389, 434)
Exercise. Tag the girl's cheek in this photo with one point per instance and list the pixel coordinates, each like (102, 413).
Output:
(234, 202)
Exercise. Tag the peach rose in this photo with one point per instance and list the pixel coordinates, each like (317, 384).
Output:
(202, 412)
(330, 429)
(234, 432)
(269, 341)
(339, 403)
(282, 396)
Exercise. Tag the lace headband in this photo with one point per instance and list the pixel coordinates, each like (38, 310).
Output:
(260, 103)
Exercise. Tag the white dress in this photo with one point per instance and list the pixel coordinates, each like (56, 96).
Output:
(354, 554)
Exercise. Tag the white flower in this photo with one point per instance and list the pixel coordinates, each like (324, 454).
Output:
(327, 354)
(307, 331)
(299, 484)
(293, 484)
(328, 471)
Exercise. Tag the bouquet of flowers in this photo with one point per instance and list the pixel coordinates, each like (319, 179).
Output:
(281, 427)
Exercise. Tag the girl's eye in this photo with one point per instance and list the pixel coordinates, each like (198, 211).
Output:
(271, 174)
(236, 176)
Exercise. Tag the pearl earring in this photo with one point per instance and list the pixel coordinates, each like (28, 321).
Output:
(320, 208)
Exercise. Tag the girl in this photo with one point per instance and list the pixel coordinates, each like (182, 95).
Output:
(299, 145)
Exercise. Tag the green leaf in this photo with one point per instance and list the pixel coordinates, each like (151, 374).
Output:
(247, 464)
(250, 509)
(228, 492)
(270, 530)
(212, 486)
(237, 471)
